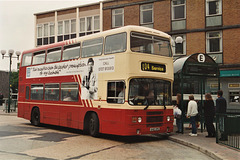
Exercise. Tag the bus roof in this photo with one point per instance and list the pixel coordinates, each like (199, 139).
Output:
(103, 34)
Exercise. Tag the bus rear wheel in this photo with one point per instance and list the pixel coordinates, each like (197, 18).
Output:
(35, 116)
(94, 125)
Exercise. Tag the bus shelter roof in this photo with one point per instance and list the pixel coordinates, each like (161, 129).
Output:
(197, 64)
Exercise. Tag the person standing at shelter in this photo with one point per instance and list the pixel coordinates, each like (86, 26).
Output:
(209, 113)
(178, 114)
(221, 107)
(192, 113)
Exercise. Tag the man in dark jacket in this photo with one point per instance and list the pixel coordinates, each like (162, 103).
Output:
(221, 107)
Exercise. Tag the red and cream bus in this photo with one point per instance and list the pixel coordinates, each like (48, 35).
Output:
(114, 82)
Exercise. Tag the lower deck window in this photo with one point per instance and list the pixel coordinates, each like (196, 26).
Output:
(69, 92)
(37, 92)
(115, 92)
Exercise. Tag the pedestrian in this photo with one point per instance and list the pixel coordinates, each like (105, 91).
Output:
(192, 112)
(221, 107)
(178, 114)
(209, 113)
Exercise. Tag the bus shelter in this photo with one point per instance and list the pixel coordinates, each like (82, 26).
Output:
(195, 75)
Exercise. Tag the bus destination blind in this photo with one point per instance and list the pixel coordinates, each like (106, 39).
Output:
(145, 66)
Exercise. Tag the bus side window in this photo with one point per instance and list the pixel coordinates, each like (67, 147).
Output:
(69, 92)
(92, 47)
(116, 43)
(51, 92)
(38, 57)
(54, 55)
(71, 52)
(27, 92)
(27, 59)
(116, 92)
(37, 91)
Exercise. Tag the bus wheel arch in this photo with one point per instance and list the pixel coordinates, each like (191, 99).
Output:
(35, 116)
(91, 124)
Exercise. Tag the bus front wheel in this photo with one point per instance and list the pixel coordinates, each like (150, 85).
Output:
(35, 116)
(93, 125)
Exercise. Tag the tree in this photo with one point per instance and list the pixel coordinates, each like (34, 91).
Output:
(14, 81)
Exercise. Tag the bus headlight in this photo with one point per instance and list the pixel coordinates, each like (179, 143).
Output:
(139, 119)
(168, 118)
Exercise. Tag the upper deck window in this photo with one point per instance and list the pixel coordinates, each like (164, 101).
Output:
(54, 55)
(150, 44)
(38, 57)
(71, 52)
(116, 43)
(27, 59)
(92, 47)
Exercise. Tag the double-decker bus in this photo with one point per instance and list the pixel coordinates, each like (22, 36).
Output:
(114, 82)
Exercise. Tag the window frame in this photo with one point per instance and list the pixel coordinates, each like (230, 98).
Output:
(105, 43)
(46, 84)
(183, 43)
(71, 46)
(141, 15)
(208, 42)
(114, 14)
(31, 92)
(49, 37)
(85, 31)
(61, 93)
(207, 8)
(23, 62)
(50, 51)
(229, 96)
(39, 52)
(116, 95)
(92, 45)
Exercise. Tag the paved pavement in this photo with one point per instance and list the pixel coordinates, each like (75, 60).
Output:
(205, 145)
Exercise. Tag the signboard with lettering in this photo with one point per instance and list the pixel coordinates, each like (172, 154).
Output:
(145, 66)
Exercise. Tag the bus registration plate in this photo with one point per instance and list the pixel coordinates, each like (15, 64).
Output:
(155, 129)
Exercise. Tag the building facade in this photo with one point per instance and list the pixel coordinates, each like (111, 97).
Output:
(206, 26)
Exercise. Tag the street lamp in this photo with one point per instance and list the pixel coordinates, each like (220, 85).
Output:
(10, 56)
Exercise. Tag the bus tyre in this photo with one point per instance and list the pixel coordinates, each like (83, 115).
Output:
(93, 125)
(35, 116)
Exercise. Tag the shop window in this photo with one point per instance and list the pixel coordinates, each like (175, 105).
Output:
(116, 92)
(234, 97)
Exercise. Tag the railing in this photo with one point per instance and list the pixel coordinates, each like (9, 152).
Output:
(228, 130)
(13, 105)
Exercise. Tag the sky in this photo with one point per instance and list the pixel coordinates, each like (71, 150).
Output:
(17, 24)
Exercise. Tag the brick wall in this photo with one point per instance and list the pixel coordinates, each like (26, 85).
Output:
(231, 43)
